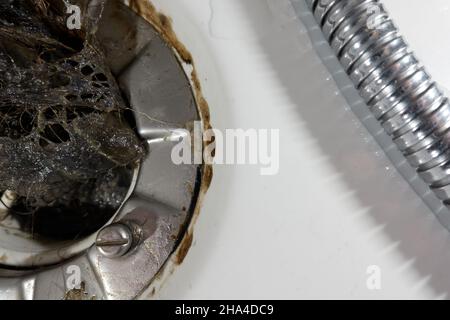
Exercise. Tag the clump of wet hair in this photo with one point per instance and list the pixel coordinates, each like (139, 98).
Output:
(64, 136)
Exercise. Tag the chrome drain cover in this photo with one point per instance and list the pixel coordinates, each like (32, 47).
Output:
(121, 259)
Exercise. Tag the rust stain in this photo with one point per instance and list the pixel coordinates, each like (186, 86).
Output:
(184, 247)
(207, 176)
(3, 258)
(163, 24)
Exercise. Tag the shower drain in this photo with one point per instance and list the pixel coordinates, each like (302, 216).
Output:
(152, 230)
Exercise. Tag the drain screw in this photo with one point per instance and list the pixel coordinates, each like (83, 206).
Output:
(115, 240)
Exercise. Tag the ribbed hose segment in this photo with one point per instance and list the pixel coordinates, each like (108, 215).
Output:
(395, 86)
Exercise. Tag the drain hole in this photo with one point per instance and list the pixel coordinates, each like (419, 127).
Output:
(100, 77)
(49, 114)
(55, 133)
(96, 204)
(87, 70)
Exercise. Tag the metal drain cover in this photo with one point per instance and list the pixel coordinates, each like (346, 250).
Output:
(121, 260)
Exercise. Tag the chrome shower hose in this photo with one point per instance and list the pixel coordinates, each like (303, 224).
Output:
(395, 86)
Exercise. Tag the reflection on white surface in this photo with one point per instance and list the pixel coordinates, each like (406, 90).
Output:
(336, 208)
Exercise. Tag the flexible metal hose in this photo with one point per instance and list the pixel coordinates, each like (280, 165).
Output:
(395, 86)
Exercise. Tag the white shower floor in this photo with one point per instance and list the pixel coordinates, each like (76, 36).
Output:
(337, 206)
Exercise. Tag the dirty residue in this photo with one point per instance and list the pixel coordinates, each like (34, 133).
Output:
(163, 24)
(184, 248)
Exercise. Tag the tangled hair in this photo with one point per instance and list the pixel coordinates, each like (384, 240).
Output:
(63, 133)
